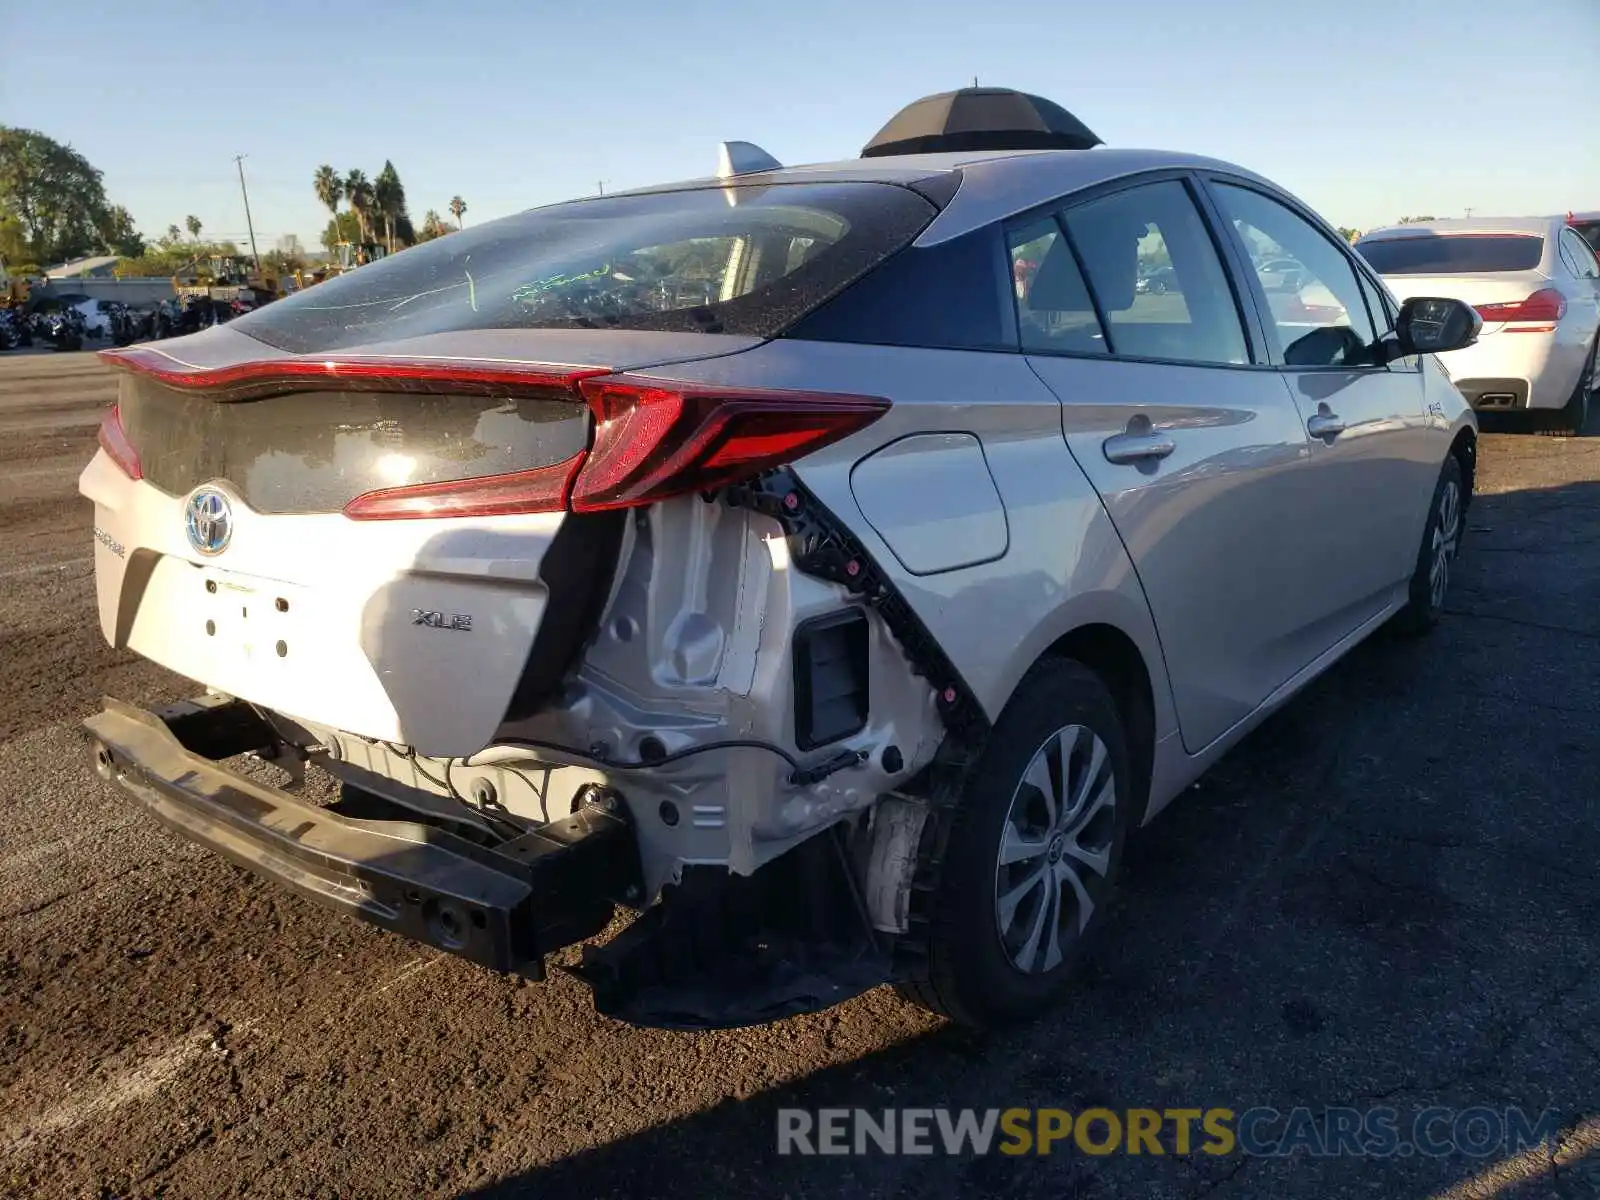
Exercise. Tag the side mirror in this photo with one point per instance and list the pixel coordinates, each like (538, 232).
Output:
(1433, 325)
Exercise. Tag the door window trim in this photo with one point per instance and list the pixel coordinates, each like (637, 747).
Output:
(1586, 257)
(1055, 209)
(1241, 258)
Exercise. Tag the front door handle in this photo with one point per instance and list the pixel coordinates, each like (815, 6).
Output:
(1326, 423)
(1138, 447)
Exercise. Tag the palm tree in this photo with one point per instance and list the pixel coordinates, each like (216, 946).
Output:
(330, 189)
(457, 207)
(193, 224)
(358, 192)
(174, 233)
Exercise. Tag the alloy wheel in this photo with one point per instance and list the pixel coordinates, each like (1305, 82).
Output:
(1446, 540)
(1055, 849)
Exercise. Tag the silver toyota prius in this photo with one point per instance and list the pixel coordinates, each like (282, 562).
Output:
(829, 567)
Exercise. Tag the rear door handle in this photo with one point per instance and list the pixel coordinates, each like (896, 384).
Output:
(1138, 447)
(1326, 423)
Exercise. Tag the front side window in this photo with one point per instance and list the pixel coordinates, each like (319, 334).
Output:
(1318, 309)
(1157, 276)
(1054, 311)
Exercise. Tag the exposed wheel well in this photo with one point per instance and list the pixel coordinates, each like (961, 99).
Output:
(1112, 655)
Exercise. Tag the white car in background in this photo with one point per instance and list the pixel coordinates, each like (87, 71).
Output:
(1536, 283)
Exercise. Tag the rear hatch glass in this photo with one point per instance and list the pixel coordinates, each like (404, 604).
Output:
(1453, 253)
(738, 260)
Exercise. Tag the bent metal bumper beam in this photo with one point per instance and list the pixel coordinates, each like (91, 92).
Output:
(503, 908)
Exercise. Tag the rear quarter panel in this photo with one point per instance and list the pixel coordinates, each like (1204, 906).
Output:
(1062, 565)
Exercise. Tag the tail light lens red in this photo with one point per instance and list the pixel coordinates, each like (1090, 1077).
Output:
(653, 442)
(544, 489)
(1547, 305)
(114, 441)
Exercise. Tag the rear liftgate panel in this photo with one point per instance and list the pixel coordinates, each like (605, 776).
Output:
(287, 549)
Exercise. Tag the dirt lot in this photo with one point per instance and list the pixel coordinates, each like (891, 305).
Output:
(1387, 895)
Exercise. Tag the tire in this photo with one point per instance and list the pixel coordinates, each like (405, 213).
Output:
(973, 974)
(1441, 544)
(1569, 420)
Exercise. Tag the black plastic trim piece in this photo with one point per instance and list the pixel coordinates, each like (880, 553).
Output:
(844, 633)
(577, 570)
(821, 546)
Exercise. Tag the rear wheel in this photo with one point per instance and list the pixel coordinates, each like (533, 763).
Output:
(1441, 542)
(1570, 420)
(1032, 852)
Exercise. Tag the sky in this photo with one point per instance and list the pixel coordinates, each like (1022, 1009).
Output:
(1367, 109)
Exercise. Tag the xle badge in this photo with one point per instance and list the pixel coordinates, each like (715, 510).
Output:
(440, 620)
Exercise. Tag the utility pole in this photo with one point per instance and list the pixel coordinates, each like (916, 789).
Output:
(601, 184)
(238, 160)
(1469, 214)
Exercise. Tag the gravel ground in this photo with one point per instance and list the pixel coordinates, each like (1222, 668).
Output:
(1386, 895)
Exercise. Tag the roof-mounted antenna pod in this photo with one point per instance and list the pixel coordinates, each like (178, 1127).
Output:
(743, 158)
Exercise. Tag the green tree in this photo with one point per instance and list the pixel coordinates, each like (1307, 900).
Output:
(14, 246)
(358, 194)
(54, 194)
(433, 225)
(457, 207)
(330, 188)
(174, 258)
(1348, 234)
(345, 227)
(389, 195)
(174, 235)
(192, 224)
(118, 235)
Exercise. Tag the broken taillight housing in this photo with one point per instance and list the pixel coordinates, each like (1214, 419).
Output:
(653, 441)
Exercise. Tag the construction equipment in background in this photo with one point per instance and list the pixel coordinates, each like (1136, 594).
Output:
(225, 279)
(350, 255)
(346, 256)
(13, 289)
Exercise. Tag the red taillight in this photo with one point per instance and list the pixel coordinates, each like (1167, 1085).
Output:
(543, 489)
(656, 441)
(114, 441)
(1547, 305)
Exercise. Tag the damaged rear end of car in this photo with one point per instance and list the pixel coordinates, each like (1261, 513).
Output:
(505, 533)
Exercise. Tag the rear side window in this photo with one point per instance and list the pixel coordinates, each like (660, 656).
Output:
(1582, 258)
(1589, 231)
(1453, 253)
(1156, 273)
(742, 259)
(946, 297)
(1054, 311)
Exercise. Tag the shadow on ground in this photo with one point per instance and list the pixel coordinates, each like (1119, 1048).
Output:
(1387, 894)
